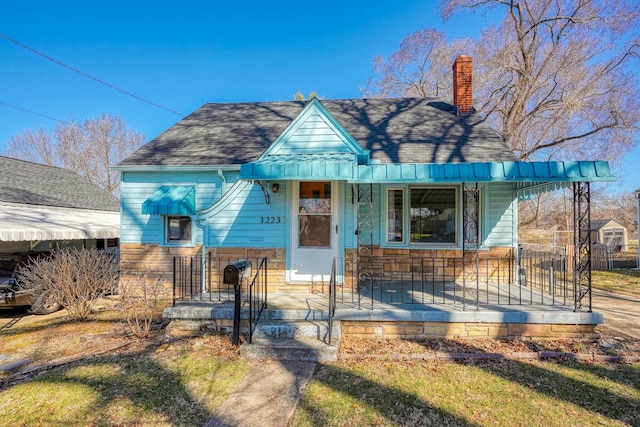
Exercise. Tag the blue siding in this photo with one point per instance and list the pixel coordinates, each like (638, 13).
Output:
(246, 221)
(498, 223)
(313, 135)
(136, 187)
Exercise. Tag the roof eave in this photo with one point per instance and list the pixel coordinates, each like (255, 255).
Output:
(175, 168)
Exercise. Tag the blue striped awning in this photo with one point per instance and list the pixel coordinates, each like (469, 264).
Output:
(523, 172)
(171, 200)
(330, 166)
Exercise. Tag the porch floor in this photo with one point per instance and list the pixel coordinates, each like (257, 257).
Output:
(400, 303)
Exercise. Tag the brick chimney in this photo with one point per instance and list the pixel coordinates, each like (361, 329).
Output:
(462, 88)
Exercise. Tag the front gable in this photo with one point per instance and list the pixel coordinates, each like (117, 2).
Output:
(313, 131)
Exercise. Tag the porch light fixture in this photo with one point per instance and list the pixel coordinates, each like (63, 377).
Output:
(275, 187)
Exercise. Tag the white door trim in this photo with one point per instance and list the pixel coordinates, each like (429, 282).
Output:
(312, 264)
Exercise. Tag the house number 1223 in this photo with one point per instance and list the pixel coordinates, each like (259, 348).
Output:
(271, 219)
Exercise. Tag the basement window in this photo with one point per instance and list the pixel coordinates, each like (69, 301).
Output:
(178, 229)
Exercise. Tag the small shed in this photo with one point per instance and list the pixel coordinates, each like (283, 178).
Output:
(610, 233)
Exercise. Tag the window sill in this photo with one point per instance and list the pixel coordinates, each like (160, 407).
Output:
(178, 245)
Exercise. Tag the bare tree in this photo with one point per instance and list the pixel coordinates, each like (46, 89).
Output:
(88, 148)
(420, 68)
(552, 78)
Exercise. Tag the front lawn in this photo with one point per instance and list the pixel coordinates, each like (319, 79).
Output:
(129, 382)
(94, 373)
(487, 393)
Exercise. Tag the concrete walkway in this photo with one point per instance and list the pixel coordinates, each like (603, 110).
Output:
(621, 313)
(267, 396)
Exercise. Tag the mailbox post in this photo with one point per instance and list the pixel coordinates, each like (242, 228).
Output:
(233, 274)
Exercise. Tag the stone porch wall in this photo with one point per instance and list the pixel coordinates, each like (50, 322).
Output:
(153, 259)
(425, 330)
(495, 264)
(447, 266)
(158, 261)
(276, 262)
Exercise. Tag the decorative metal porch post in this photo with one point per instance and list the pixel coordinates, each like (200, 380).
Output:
(470, 240)
(582, 244)
(364, 230)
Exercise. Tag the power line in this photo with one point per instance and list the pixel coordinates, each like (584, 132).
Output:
(78, 125)
(34, 113)
(102, 82)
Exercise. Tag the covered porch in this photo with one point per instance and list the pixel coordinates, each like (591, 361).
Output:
(402, 299)
(471, 291)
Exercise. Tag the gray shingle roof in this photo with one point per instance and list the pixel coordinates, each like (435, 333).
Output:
(35, 184)
(406, 130)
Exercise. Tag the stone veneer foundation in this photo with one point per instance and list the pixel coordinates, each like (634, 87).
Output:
(440, 265)
(425, 330)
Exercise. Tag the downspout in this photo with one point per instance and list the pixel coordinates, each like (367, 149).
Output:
(223, 186)
(202, 225)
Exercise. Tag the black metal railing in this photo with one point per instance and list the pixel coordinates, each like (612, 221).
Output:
(257, 296)
(530, 278)
(332, 299)
(189, 284)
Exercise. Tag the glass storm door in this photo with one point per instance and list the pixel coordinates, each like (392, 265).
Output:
(314, 234)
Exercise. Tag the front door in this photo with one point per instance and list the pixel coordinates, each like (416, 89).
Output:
(314, 233)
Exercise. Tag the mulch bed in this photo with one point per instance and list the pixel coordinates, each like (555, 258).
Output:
(612, 346)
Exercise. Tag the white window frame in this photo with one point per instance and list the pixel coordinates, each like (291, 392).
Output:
(406, 217)
(403, 217)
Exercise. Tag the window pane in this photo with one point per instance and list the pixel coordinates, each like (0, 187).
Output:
(314, 214)
(433, 215)
(179, 229)
(315, 230)
(315, 198)
(395, 216)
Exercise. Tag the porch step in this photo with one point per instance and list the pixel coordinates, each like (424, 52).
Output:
(293, 340)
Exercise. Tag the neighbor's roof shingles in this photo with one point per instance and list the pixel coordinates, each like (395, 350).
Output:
(35, 184)
(407, 130)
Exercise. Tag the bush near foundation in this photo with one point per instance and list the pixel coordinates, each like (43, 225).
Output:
(75, 279)
(142, 300)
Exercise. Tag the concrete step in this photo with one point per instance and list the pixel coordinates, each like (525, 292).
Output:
(293, 340)
(291, 329)
(300, 349)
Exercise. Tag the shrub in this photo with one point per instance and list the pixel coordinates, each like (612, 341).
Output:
(74, 278)
(141, 298)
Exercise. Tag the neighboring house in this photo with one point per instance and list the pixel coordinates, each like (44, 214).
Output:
(302, 182)
(610, 233)
(44, 207)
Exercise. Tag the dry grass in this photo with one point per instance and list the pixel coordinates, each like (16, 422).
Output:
(479, 393)
(93, 372)
(624, 282)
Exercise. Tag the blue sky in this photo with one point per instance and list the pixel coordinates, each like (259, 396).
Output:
(183, 56)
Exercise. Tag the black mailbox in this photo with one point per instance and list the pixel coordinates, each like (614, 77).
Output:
(237, 271)
(233, 275)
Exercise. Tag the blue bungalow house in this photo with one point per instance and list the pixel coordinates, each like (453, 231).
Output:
(424, 182)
